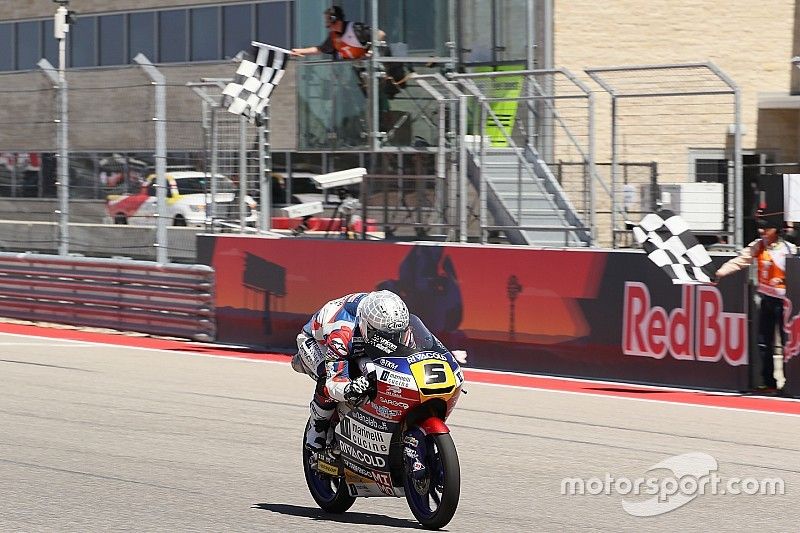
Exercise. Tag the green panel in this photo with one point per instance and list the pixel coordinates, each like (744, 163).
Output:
(506, 112)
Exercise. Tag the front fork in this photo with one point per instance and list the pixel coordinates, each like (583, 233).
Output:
(415, 450)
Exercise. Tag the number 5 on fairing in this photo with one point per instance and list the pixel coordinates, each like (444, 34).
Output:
(435, 373)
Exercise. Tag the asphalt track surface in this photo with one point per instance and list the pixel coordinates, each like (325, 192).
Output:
(98, 437)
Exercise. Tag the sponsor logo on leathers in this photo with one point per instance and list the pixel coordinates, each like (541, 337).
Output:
(338, 347)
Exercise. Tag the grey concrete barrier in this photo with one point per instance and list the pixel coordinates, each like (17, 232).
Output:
(99, 240)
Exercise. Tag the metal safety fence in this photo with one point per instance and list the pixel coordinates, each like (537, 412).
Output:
(413, 137)
(529, 157)
(125, 126)
(681, 117)
(524, 122)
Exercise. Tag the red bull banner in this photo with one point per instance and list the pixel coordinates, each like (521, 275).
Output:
(584, 313)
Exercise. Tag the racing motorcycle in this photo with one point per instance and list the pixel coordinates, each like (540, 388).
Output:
(396, 442)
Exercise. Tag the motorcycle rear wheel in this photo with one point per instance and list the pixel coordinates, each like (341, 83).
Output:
(329, 492)
(434, 498)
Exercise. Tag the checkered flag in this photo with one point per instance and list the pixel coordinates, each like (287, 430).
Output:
(248, 94)
(671, 245)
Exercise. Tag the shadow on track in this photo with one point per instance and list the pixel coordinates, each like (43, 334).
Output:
(346, 518)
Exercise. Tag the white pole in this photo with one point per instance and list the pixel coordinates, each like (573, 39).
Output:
(60, 30)
(160, 120)
(463, 109)
(242, 173)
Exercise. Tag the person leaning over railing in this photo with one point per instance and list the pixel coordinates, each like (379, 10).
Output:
(346, 39)
(768, 253)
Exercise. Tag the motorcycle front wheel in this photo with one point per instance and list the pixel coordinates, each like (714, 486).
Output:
(434, 498)
(330, 492)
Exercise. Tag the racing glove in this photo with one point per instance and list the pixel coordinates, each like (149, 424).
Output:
(357, 390)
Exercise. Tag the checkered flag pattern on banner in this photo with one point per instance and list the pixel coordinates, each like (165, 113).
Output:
(673, 247)
(249, 92)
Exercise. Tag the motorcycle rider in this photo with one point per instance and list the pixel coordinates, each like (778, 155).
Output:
(332, 338)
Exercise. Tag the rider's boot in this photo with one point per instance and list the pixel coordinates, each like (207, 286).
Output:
(317, 435)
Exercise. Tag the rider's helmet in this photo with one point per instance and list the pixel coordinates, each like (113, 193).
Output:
(384, 314)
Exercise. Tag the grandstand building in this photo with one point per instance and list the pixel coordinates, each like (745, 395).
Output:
(670, 124)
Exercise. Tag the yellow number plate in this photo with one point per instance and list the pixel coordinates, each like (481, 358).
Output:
(433, 377)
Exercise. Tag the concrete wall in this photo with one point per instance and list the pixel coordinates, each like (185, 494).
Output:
(751, 41)
(96, 240)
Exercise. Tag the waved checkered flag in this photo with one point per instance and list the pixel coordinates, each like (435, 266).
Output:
(673, 247)
(248, 94)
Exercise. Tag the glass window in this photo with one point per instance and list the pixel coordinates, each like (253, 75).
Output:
(511, 30)
(141, 35)
(198, 185)
(172, 36)
(711, 170)
(476, 31)
(205, 33)
(29, 39)
(309, 29)
(391, 20)
(420, 25)
(272, 23)
(236, 29)
(112, 40)
(6, 47)
(50, 43)
(279, 179)
(354, 10)
(83, 42)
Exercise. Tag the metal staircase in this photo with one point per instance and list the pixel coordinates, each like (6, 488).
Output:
(522, 191)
